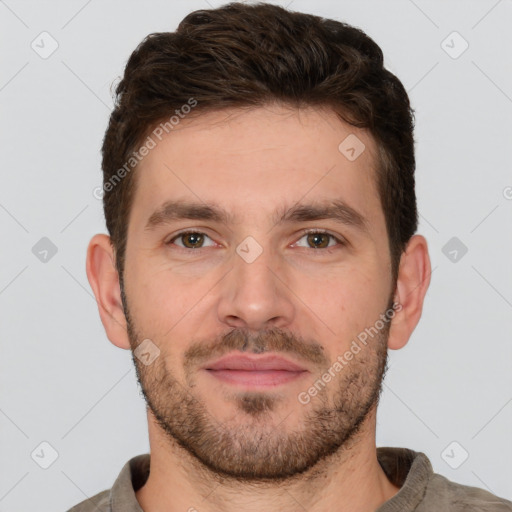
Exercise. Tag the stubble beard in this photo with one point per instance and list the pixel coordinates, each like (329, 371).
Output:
(254, 446)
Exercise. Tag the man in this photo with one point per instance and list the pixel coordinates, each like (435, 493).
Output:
(259, 196)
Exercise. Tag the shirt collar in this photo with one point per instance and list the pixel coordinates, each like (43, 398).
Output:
(131, 478)
(405, 468)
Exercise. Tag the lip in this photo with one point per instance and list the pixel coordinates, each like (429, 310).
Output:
(255, 371)
(254, 363)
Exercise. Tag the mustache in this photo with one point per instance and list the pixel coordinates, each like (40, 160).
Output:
(270, 340)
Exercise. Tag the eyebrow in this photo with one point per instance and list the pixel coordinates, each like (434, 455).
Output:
(335, 210)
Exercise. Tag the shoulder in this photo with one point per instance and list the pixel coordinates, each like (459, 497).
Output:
(98, 503)
(422, 490)
(121, 495)
(443, 494)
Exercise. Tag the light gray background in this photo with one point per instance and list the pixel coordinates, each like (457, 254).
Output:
(62, 382)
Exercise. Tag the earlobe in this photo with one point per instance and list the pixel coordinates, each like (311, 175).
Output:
(104, 280)
(412, 285)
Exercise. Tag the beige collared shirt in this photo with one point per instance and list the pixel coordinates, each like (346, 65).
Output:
(421, 490)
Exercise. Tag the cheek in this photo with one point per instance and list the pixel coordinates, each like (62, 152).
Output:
(154, 301)
(346, 304)
(170, 305)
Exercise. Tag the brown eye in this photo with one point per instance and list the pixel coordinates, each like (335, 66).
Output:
(189, 240)
(194, 239)
(318, 240)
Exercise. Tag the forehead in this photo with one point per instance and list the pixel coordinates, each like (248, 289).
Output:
(258, 160)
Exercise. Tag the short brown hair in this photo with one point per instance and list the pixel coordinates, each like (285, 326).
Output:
(242, 55)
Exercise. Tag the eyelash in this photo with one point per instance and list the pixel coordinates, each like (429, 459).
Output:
(340, 241)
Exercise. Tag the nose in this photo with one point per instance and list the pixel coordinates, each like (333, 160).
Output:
(255, 295)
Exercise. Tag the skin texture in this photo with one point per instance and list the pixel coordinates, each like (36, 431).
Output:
(217, 446)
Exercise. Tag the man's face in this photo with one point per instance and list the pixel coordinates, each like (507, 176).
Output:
(255, 284)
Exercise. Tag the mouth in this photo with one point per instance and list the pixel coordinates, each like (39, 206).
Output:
(255, 371)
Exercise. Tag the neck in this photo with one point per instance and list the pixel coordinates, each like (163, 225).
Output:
(349, 480)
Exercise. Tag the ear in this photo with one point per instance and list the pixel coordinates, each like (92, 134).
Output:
(104, 280)
(412, 285)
